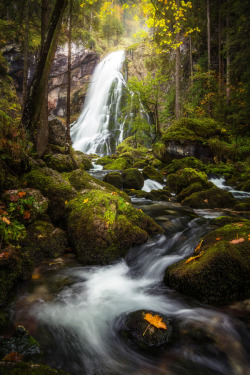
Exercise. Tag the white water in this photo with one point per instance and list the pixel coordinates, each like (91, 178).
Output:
(151, 185)
(98, 129)
(220, 183)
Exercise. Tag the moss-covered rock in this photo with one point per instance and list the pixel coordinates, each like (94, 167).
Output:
(119, 164)
(22, 343)
(55, 187)
(57, 132)
(189, 162)
(23, 368)
(81, 180)
(60, 162)
(140, 164)
(8, 180)
(219, 270)
(102, 226)
(145, 334)
(132, 149)
(176, 182)
(152, 173)
(243, 205)
(224, 220)
(15, 265)
(193, 188)
(132, 179)
(44, 240)
(83, 161)
(114, 178)
(211, 198)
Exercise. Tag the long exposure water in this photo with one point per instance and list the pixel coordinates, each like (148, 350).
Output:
(77, 312)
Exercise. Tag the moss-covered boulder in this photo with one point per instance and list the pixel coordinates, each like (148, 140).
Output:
(114, 178)
(218, 271)
(154, 195)
(189, 162)
(82, 160)
(81, 180)
(193, 188)
(55, 187)
(22, 343)
(15, 265)
(211, 198)
(44, 240)
(176, 182)
(144, 334)
(152, 173)
(102, 226)
(26, 204)
(131, 148)
(132, 179)
(60, 162)
(140, 164)
(25, 368)
(119, 164)
(57, 132)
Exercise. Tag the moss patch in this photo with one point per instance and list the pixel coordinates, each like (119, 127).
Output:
(132, 179)
(152, 173)
(103, 226)
(221, 272)
(185, 177)
(211, 198)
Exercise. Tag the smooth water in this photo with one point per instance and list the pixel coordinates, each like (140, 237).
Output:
(77, 312)
(99, 128)
(221, 183)
(152, 185)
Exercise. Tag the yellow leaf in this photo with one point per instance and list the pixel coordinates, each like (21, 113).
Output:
(66, 202)
(114, 193)
(198, 246)
(86, 200)
(193, 258)
(5, 220)
(155, 320)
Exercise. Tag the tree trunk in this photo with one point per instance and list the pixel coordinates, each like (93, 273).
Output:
(33, 104)
(25, 52)
(219, 46)
(191, 60)
(208, 37)
(177, 73)
(228, 91)
(69, 80)
(43, 128)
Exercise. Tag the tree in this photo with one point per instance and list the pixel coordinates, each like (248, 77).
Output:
(33, 104)
(69, 77)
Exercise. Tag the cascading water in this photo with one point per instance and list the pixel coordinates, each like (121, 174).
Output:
(99, 129)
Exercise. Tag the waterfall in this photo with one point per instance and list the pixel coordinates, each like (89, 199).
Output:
(99, 129)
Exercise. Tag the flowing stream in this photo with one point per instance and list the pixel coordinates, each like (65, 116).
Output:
(99, 128)
(77, 312)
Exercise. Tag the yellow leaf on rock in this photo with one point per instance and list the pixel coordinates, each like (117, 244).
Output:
(193, 258)
(155, 320)
(86, 200)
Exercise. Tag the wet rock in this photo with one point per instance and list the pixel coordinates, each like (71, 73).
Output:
(114, 178)
(132, 179)
(22, 343)
(152, 173)
(15, 265)
(57, 132)
(44, 241)
(52, 184)
(102, 226)
(144, 334)
(218, 271)
(60, 162)
(185, 177)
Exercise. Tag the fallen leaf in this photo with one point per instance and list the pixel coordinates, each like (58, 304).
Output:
(13, 357)
(218, 238)
(4, 255)
(21, 194)
(26, 215)
(86, 200)
(237, 240)
(114, 193)
(155, 320)
(5, 220)
(193, 258)
(66, 202)
(198, 246)
(14, 198)
(132, 189)
(206, 200)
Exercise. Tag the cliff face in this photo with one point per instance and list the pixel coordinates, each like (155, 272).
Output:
(83, 64)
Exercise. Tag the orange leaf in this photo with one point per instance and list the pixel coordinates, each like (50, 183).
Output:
(218, 238)
(238, 240)
(4, 255)
(206, 200)
(193, 258)
(21, 194)
(198, 246)
(5, 220)
(114, 193)
(155, 320)
(26, 215)
(13, 357)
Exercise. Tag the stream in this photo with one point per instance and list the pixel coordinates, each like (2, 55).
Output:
(76, 313)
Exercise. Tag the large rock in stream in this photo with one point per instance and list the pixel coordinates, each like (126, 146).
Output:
(219, 269)
(102, 226)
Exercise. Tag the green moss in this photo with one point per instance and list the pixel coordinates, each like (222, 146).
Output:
(60, 162)
(189, 162)
(191, 189)
(159, 150)
(224, 220)
(22, 368)
(132, 149)
(221, 274)
(113, 178)
(211, 198)
(185, 177)
(103, 226)
(132, 179)
(55, 187)
(118, 164)
(152, 173)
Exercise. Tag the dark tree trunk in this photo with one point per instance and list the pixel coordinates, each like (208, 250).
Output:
(177, 74)
(219, 47)
(33, 104)
(208, 37)
(43, 128)
(228, 91)
(25, 52)
(69, 80)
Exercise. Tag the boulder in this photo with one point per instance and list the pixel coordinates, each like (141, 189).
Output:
(102, 226)
(118, 164)
(132, 179)
(211, 198)
(44, 240)
(144, 334)
(113, 178)
(185, 177)
(15, 265)
(152, 173)
(56, 188)
(218, 270)
(57, 132)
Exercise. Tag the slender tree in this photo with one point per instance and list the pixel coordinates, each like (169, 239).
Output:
(69, 78)
(33, 104)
